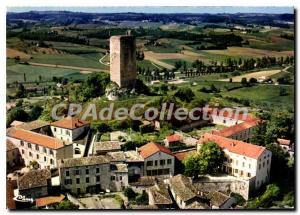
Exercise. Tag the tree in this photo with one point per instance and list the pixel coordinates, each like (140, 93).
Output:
(101, 127)
(16, 114)
(142, 199)
(129, 193)
(35, 112)
(271, 194)
(191, 167)
(185, 94)
(253, 80)
(208, 160)
(212, 158)
(66, 205)
(244, 81)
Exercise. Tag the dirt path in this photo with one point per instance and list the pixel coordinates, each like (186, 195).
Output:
(101, 61)
(68, 67)
(253, 75)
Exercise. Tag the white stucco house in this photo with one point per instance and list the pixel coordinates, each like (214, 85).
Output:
(158, 160)
(69, 128)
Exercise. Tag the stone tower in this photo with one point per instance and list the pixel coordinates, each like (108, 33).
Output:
(123, 60)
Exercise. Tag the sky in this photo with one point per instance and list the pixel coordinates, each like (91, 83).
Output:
(159, 9)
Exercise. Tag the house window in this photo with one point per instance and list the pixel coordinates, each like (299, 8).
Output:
(45, 150)
(51, 152)
(263, 164)
(45, 158)
(23, 152)
(30, 154)
(249, 174)
(162, 162)
(120, 178)
(113, 178)
(259, 166)
(97, 178)
(51, 161)
(54, 129)
(236, 171)
(87, 171)
(169, 161)
(87, 180)
(77, 180)
(36, 147)
(37, 156)
(149, 163)
(243, 164)
(249, 166)
(155, 163)
(29, 145)
(67, 173)
(67, 132)
(77, 172)
(22, 143)
(97, 170)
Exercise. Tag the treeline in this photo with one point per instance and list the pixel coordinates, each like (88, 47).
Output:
(234, 65)
(47, 36)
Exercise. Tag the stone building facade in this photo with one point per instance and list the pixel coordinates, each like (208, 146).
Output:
(123, 60)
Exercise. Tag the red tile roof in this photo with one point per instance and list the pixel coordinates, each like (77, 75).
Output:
(183, 154)
(41, 202)
(234, 146)
(152, 148)
(174, 138)
(283, 141)
(235, 129)
(69, 123)
(36, 138)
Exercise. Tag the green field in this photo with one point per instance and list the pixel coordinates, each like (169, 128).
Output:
(90, 60)
(15, 72)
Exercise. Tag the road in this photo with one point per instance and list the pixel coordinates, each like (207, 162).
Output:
(68, 67)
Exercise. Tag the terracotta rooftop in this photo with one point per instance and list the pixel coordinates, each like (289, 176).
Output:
(181, 155)
(69, 123)
(35, 138)
(183, 187)
(174, 138)
(83, 161)
(9, 145)
(234, 146)
(152, 148)
(34, 178)
(283, 141)
(32, 125)
(49, 200)
(235, 129)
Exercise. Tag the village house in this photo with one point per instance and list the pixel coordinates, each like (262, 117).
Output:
(219, 200)
(173, 140)
(69, 128)
(243, 131)
(286, 145)
(134, 161)
(35, 183)
(118, 176)
(159, 196)
(158, 160)
(183, 191)
(227, 118)
(84, 175)
(13, 156)
(243, 160)
(36, 147)
(143, 183)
